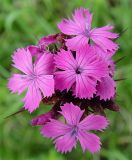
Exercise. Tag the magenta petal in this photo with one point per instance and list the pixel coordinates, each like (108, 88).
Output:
(23, 60)
(71, 113)
(89, 141)
(92, 65)
(85, 87)
(65, 143)
(106, 88)
(44, 41)
(33, 49)
(64, 80)
(54, 129)
(93, 122)
(64, 60)
(93, 68)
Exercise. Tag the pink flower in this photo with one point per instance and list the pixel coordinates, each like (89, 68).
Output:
(42, 119)
(66, 135)
(37, 78)
(80, 73)
(80, 27)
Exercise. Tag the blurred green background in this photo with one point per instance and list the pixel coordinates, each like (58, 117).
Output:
(23, 22)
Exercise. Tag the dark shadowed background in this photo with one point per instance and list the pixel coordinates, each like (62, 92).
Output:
(23, 22)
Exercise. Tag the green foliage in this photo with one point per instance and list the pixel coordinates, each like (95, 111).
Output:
(23, 22)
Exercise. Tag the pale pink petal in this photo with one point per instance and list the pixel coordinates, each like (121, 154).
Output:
(106, 88)
(42, 119)
(32, 98)
(77, 42)
(89, 141)
(18, 83)
(54, 129)
(23, 60)
(46, 84)
(71, 113)
(44, 65)
(65, 143)
(93, 122)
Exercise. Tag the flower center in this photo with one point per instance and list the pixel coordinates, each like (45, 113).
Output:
(74, 131)
(78, 70)
(33, 76)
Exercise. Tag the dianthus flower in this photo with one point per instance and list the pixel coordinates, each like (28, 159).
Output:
(83, 71)
(79, 27)
(66, 135)
(37, 78)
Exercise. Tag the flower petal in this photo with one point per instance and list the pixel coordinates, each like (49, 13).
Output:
(80, 22)
(32, 98)
(83, 19)
(65, 60)
(71, 113)
(23, 60)
(106, 88)
(17, 83)
(64, 80)
(104, 32)
(93, 122)
(65, 143)
(103, 38)
(44, 65)
(85, 87)
(89, 141)
(46, 84)
(77, 42)
(33, 49)
(54, 129)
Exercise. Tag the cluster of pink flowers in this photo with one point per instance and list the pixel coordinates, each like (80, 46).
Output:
(73, 70)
